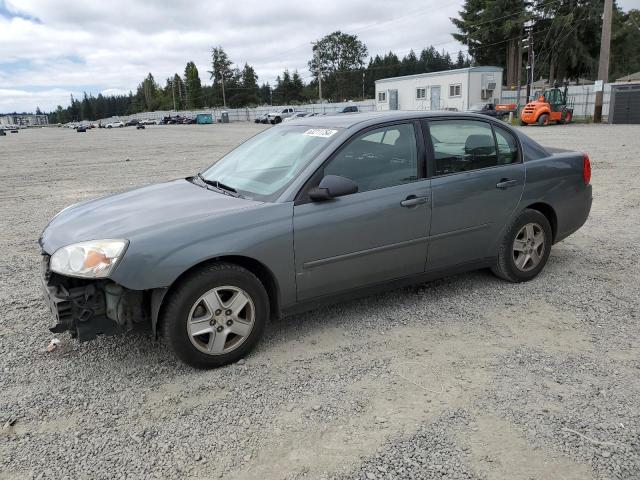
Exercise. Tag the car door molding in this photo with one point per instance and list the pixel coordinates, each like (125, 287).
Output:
(460, 231)
(346, 256)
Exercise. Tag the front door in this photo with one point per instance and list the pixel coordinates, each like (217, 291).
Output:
(393, 99)
(477, 181)
(374, 235)
(435, 97)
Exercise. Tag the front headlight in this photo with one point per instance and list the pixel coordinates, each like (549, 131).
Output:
(92, 259)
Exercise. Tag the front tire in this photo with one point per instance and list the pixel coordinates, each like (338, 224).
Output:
(543, 120)
(215, 316)
(525, 247)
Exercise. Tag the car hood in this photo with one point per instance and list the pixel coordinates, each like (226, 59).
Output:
(129, 214)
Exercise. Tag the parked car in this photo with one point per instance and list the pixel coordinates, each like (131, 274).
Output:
(296, 115)
(263, 118)
(131, 122)
(349, 109)
(2, 132)
(81, 128)
(277, 117)
(305, 213)
(117, 124)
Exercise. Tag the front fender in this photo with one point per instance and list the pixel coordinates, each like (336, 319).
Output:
(156, 259)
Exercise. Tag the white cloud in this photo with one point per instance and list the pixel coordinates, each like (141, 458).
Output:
(110, 46)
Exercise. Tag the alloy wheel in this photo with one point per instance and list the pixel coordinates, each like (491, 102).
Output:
(221, 320)
(528, 247)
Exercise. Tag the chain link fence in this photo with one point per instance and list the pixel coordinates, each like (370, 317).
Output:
(246, 114)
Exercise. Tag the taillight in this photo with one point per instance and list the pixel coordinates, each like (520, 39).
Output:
(586, 168)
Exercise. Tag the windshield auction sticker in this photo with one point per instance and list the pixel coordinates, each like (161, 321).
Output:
(320, 132)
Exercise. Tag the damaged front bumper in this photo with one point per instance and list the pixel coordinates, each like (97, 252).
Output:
(88, 308)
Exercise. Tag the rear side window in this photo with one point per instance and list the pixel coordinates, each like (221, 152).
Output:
(462, 145)
(508, 152)
(378, 158)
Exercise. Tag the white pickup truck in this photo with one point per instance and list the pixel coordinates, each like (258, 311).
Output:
(277, 117)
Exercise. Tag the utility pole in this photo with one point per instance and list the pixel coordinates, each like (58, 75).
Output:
(224, 99)
(173, 93)
(363, 85)
(315, 45)
(530, 60)
(603, 65)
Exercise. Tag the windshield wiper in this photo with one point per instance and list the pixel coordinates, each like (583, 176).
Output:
(226, 189)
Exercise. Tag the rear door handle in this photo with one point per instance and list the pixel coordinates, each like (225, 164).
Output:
(506, 183)
(413, 201)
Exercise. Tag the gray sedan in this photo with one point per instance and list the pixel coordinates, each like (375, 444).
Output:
(305, 213)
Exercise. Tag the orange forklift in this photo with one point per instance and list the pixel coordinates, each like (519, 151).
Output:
(550, 106)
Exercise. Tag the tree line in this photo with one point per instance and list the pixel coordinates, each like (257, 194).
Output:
(345, 76)
(565, 35)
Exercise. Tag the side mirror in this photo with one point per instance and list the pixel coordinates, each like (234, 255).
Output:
(332, 186)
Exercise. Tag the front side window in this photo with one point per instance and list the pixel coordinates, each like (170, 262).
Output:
(462, 145)
(265, 164)
(378, 158)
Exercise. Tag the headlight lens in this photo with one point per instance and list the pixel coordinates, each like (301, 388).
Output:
(93, 259)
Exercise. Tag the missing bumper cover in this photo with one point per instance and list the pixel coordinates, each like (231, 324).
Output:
(88, 308)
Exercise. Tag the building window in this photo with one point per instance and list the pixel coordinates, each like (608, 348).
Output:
(421, 93)
(455, 90)
(382, 96)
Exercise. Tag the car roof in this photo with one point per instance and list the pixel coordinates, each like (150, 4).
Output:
(372, 118)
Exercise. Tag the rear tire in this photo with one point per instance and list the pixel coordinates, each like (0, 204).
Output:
(525, 247)
(215, 316)
(567, 118)
(543, 120)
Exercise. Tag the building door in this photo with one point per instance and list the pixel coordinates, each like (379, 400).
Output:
(435, 97)
(625, 104)
(393, 99)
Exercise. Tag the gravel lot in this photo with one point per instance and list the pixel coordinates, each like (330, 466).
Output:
(466, 377)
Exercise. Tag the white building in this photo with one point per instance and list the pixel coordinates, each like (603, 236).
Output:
(24, 119)
(446, 90)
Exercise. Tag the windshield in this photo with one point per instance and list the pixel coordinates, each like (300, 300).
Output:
(264, 165)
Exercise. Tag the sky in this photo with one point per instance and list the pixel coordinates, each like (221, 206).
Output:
(50, 49)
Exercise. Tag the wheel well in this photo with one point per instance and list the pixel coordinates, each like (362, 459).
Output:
(263, 273)
(548, 211)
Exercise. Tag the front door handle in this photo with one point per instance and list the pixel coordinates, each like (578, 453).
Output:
(506, 183)
(413, 201)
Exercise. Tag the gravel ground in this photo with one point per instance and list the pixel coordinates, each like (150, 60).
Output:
(466, 377)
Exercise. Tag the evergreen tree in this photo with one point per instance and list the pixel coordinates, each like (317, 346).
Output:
(493, 31)
(193, 87)
(221, 73)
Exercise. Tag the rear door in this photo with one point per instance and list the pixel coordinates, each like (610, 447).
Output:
(477, 181)
(375, 235)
